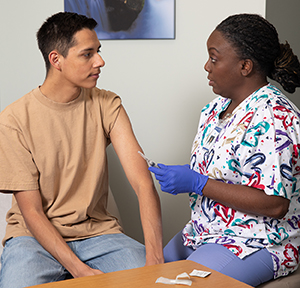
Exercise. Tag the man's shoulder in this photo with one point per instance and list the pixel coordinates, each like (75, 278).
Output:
(101, 97)
(98, 93)
(20, 103)
(17, 109)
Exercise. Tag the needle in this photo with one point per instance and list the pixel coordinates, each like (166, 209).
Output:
(149, 162)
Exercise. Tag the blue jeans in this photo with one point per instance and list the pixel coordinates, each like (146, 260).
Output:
(253, 270)
(26, 263)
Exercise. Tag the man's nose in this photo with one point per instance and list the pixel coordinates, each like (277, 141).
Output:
(99, 61)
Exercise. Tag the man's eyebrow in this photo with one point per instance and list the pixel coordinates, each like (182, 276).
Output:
(89, 49)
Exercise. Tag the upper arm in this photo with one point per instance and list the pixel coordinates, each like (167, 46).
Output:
(127, 147)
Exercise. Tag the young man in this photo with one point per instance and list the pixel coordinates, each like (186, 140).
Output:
(53, 159)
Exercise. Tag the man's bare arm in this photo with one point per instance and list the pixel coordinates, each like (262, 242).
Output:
(45, 233)
(136, 170)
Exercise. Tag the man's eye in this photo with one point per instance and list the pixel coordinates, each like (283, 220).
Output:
(87, 55)
(213, 60)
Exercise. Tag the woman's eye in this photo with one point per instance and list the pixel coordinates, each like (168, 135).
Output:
(213, 60)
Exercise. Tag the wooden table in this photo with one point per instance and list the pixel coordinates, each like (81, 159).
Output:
(146, 276)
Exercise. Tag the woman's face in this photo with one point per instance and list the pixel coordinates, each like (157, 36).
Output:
(223, 67)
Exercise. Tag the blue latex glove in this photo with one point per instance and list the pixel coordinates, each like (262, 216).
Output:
(176, 179)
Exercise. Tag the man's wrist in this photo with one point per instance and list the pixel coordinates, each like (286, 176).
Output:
(154, 259)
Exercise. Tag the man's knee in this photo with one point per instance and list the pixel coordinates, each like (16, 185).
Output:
(135, 257)
(123, 253)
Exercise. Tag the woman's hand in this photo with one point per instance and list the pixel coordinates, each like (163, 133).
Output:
(176, 179)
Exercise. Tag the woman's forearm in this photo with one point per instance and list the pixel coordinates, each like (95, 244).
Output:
(246, 199)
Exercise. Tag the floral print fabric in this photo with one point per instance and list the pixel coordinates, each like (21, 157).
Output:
(258, 145)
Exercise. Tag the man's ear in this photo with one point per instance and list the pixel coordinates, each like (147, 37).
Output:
(54, 59)
(246, 67)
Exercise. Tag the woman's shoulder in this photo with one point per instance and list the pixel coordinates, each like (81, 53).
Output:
(272, 98)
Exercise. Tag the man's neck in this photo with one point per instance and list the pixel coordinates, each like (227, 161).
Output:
(59, 92)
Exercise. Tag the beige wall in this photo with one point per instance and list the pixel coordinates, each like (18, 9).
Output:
(162, 83)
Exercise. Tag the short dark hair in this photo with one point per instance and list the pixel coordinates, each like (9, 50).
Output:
(57, 33)
(255, 38)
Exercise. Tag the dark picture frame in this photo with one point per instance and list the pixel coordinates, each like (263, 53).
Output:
(128, 19)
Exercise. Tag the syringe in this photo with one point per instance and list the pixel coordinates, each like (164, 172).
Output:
(149, 162)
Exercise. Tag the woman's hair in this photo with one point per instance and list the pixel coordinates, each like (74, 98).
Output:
(57, 33)
(254, 38)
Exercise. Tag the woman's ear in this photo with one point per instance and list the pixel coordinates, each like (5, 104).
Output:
(246, 67)
(54, 57)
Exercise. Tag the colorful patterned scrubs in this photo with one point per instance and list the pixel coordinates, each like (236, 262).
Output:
(258, 145)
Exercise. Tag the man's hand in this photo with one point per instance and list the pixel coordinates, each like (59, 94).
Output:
(85, 270)
(30, 204)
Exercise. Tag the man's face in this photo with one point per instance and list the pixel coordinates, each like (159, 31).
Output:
(81, 67)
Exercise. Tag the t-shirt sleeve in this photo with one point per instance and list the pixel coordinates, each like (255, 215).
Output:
(272, 149)
(110, 105)
(18, 171)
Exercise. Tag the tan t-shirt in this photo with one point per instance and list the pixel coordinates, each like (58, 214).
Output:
(60, 149)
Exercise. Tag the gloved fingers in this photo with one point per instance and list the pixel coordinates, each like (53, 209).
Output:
(160, 178)
(162, 166)
(158, 171)
(154, 170)
(173, 167)
(167, 188)
(166, 176)
(174, 179)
